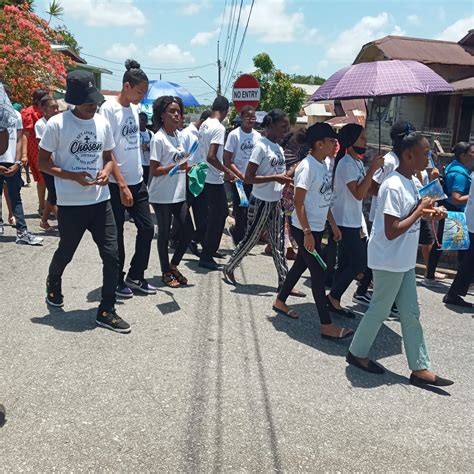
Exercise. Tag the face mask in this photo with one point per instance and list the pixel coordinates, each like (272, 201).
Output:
(359, 150)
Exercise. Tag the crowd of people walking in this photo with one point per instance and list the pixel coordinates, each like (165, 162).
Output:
(100, 163)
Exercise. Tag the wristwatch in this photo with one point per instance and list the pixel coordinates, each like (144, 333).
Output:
(18, 163)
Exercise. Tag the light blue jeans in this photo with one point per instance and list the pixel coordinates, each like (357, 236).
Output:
(390, 287)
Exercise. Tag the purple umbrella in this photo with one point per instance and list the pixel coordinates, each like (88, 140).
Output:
(381, 78)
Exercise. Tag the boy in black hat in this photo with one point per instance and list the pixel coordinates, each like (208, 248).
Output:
(81, 141)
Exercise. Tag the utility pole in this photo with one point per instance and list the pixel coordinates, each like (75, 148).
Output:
(219, 91)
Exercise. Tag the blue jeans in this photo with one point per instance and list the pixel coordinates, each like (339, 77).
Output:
(14, 184)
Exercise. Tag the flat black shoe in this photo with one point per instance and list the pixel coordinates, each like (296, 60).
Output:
(218, 255)
(456, 301)
(297, 294)
(437, 382)
(373, 368)
(193, 246)
(210, 265)
(341, 312)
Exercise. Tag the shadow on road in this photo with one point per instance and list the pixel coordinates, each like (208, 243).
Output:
(78, 320)
(360, 379)
(306, 330)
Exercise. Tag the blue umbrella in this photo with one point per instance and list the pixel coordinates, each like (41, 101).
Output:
(160, 88)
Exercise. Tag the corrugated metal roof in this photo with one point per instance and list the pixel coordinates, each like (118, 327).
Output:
(422, 50)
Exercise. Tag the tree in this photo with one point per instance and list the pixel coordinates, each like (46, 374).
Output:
(302, 79)
(28, 4)
(68, 38)
(277, 90)
(27, 61)
(55, 10)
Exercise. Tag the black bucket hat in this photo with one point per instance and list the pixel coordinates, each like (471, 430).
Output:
(81, 89)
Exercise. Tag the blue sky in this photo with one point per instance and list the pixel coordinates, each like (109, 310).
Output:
(301, 36)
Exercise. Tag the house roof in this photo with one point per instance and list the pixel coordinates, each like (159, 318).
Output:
(418, 49)
(91, 68)
(68, 51)
(464, 84)
(309, 89)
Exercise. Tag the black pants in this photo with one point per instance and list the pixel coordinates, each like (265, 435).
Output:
(98, 219)
(367, 278)
(330, 256)
(217, 212)
(49, 182)
(465, 274)
(351, 260)
(146, 174)
(303, 261)
(435, 253)
(180, 213)
(198, 204)
(239, 213)
(140, 211)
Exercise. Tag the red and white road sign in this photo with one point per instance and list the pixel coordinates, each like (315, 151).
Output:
(246, 92)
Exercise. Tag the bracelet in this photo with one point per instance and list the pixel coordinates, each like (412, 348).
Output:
(307, 231)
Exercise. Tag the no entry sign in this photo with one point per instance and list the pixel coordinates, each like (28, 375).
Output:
(246, 92)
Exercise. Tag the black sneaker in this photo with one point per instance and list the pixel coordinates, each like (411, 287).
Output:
(141, 285)
(111, 320)
(54, 296)
(362, 299)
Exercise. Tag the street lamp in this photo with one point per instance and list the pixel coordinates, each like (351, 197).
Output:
(204, 80)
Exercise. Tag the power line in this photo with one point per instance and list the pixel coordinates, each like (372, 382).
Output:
(222, 20)
(241, 46)
(231, 55)
(186, 69)
(230, 29)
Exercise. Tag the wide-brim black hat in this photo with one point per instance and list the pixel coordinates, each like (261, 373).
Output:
(81, 89)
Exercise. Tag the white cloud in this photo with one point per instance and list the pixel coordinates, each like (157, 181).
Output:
(272, 23)
(413, 19)
(295, 68)
(348, 43)
(139, 32)
(170, 54)
(122, 51)
(162, 54)
(203, 38)
(194, 7)
(457, 30)
(105, 12)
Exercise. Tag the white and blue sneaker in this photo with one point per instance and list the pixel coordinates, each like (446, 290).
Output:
(27, 238)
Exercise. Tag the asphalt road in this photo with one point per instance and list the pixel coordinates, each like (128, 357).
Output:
(210, 379)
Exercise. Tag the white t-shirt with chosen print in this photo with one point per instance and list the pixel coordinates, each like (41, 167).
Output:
(212, 132)
(125, 127)
(10, 155)
(168, 150)
(314, 176)
(391, 163)
(346, 209)
(78, 145)
(40, 127)
(270, 158)
(398, 197)
(241, 144)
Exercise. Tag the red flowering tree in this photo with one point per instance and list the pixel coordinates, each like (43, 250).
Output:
(27, 61)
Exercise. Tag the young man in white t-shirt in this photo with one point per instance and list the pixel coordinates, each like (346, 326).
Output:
(193, 128)
(82, 143)
(10, 173)
(128, 191)
(237, 152)
(212, 137)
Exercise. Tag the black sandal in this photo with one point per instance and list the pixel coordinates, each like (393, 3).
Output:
(341, 312)
(341, 336)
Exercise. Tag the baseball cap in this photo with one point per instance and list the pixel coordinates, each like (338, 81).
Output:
(320, 131)
(81, 89)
